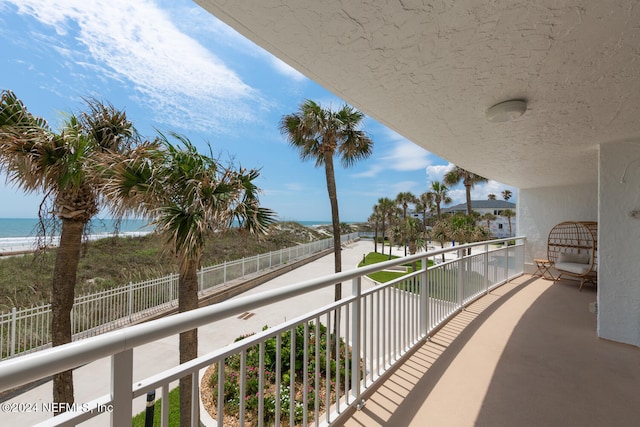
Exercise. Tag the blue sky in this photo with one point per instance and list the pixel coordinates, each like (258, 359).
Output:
(174, 67)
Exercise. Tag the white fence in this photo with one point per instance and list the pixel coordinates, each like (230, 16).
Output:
(298, 372)
(24, 330)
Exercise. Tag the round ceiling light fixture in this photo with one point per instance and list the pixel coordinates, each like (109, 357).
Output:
(507, 110)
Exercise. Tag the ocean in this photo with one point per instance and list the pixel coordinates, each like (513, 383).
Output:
(26, 227)
(19, 234)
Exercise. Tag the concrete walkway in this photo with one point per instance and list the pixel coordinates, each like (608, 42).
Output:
(92, 381)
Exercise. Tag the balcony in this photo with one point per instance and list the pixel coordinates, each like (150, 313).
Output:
(526, 354)
(521, 352)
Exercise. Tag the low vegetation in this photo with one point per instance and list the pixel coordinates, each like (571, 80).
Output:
(232, 373)
(26, 280)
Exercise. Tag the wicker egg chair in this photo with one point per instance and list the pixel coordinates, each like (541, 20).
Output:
(572, 249)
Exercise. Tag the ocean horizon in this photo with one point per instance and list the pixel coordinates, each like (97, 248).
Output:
(27, 227)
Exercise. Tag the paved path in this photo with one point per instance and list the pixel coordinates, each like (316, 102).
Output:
(92, 381)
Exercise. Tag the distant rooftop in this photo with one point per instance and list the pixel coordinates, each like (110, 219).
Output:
(482, 204)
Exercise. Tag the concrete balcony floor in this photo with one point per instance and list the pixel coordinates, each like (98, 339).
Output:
(527, 354)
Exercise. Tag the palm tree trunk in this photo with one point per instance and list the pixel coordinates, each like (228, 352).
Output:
(468, 193)
(62, 295)
(383, 233)
(335, 219)
(187, 300)
(375, 239)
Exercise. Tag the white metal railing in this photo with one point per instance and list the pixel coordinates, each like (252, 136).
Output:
(26, 330)
(376, 326)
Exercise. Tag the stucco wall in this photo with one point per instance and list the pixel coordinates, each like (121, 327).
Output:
(619, 243)
(539, 209)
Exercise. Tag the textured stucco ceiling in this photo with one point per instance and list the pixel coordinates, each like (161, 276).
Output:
(430, 69)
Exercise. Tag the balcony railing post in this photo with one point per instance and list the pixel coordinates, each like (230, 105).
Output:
(424, 299)
(130, 300)
(171, 289)
(13, 331)
(356, 291)
(461, 261)
(486, 269)
(121, 380)
(506, 261)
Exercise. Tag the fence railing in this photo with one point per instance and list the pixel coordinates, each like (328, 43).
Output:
(305, 371)
(25, 330)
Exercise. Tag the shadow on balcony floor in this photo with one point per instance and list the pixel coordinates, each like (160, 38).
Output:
(525, 355)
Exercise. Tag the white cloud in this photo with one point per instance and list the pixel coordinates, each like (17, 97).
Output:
(403, 156)
(437, 172)
(184, 83)
(285, 69)
(196, 19)
(481, 191)
(407, 156)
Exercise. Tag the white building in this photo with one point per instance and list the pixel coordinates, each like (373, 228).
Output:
(499, 227)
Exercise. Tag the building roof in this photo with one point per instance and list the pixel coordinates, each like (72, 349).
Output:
(482, 204)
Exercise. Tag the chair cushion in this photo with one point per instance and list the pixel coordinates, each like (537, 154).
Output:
(578, 268)
(582, 258)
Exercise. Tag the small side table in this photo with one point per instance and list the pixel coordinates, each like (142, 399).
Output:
(543, 269)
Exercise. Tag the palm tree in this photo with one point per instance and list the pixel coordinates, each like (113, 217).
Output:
(508, 213)
(319, 134)
(441, 232)
(425, 204)
(414, 234)
(386, 208)
(374, 219)
(395, 227)
(469, 180)
(61, 166)
(489, 217)
(403, 199)
(491, 196)
(189, 197)
(506, 195)
(439, 193)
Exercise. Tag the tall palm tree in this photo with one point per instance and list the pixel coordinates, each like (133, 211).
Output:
(404, 199)
(506, 194)
(189, 197)
(491, 196)
(375, 219)
(61, 166)
(386, 208)
(468, 179)
(320, 134)
(439, 193)
(508, 213)
(425, 204)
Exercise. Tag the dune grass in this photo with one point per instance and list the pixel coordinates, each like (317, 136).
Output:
(26, 280)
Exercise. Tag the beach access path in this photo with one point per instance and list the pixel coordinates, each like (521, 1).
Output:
(92, 380)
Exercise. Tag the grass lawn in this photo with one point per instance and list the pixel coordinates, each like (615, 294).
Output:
(386, 276)
(174, 411)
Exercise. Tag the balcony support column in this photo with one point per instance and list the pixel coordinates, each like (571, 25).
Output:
(356, 291)
(121, 392)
